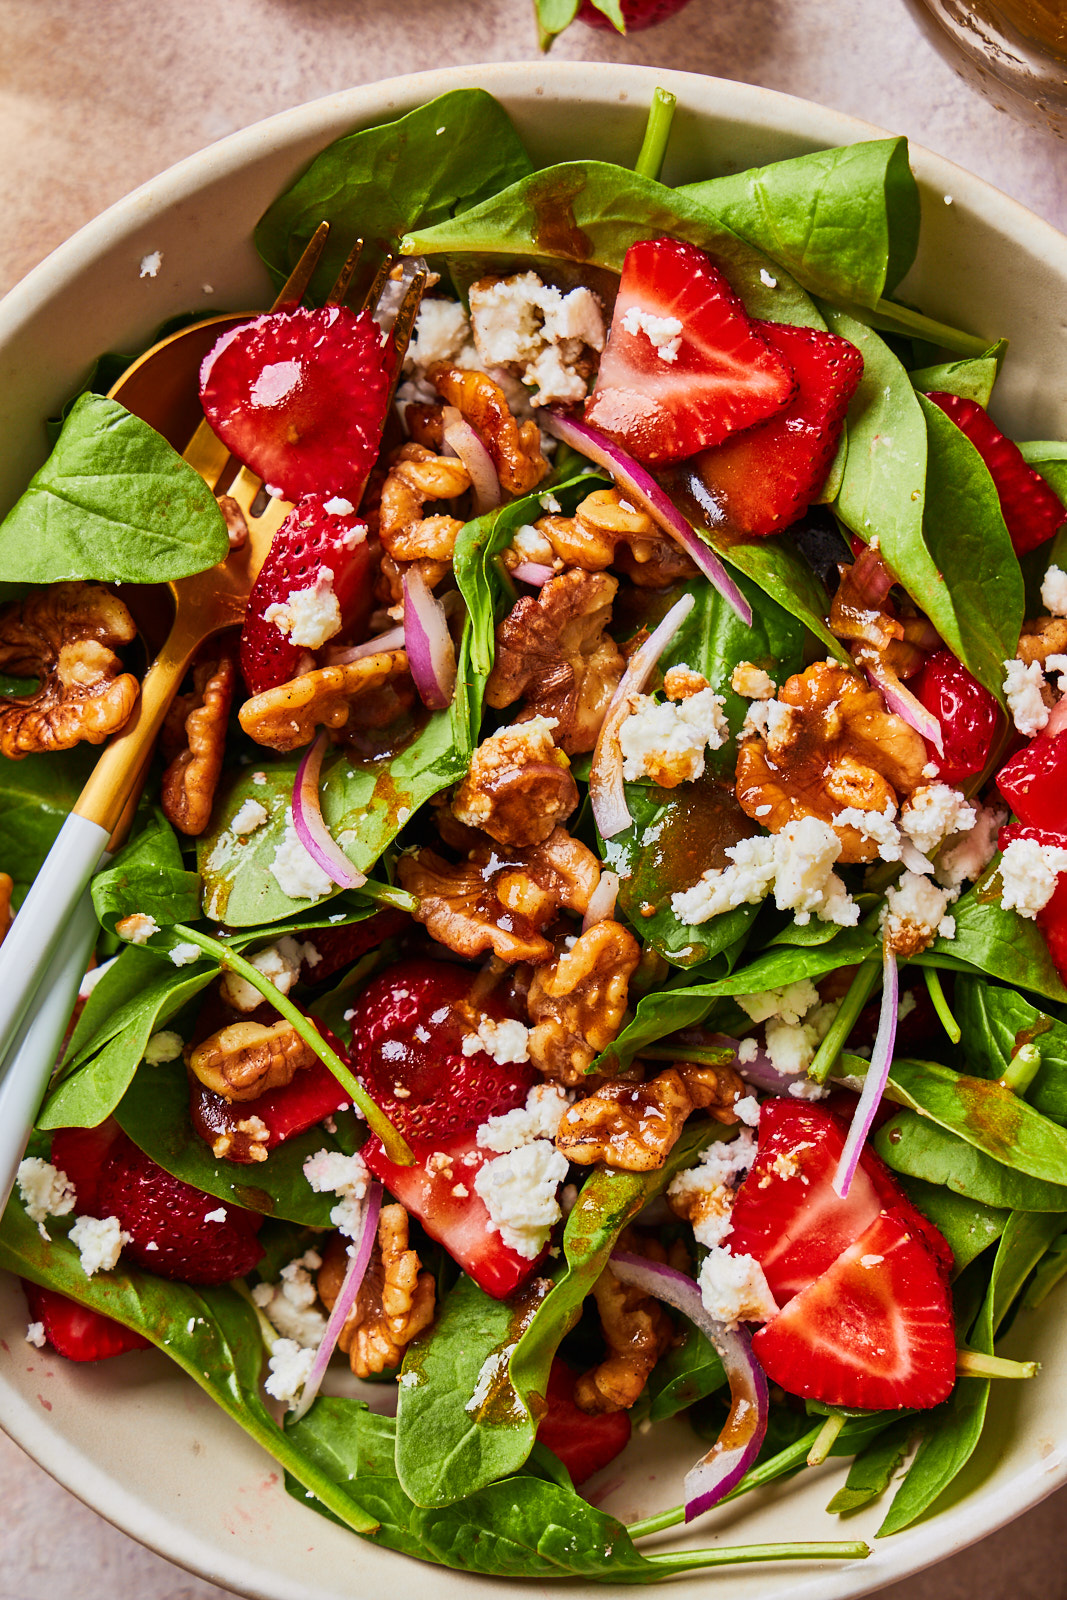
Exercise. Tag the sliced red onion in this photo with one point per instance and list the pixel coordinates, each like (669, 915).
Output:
(868, 580)
(760, 1072)
(393, 640)
(461, 437)
(602, 901)
(738, 1445)
(1057, 719)
(533, 573)
(359, 1254)
(311, 830)
(606, 789)
(902, 701)
(431, 653)
(876, 1077)
(642, 487)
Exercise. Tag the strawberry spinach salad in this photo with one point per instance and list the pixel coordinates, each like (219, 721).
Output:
(592, 949)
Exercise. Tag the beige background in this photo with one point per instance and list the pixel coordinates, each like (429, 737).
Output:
(95, 99)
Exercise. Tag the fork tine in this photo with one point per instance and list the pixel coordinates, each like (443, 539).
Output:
(344, 277)
(295, 286)
(404, 321)
(374, 293)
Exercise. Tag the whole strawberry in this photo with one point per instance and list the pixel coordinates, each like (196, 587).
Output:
(636, 14)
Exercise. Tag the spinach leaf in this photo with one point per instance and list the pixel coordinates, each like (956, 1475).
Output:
(36, 795)
(913, 1145)
(467, 1412)
(845, 222)
(148, 875)
(114, 502)
(1048, 1273)
(591, 211)
(968, 1226)
(998, 943)
(777, 567)
(688, 1372)
(433, 164)
(1050, 459)
(872, 1471)
(994, 1023)
(972, 378)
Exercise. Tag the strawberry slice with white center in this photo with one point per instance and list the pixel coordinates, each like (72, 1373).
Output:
(684, 366)
(874, 1331)
(301, 397)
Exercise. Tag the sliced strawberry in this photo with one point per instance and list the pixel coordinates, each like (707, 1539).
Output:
(1052, 918)
(582, 1442)
(313, 1094)
(81, 1153)
(76, 1332)
(300, 397)
(874, 1331)
(684, 366)
(1032, 509)
(969, 716)
(311, 543)
(342, 947)
(767, 476)
(1034, 782)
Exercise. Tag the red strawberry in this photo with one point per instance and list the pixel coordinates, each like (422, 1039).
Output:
(310, 542)
(874, 1331)
(342, 947)
(969, 716)
(313, 1094)
(300, 397)
(1034, 782)
(582, 1442)
(716, 372)
(1032, 509)
(81, 1153)
(1052, 918)
(75, 1331)
(636, 14)
(767, 476)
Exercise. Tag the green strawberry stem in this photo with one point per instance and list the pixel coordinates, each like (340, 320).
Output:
(941, 1006)
(396, 1147)
(794, 1455)
(826, 1438)
(649, 161)
(735, 1555)
(859, 993)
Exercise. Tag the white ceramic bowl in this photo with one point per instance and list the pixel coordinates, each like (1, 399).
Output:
(135, 1438)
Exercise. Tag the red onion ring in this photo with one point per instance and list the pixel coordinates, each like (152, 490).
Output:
(642, 487)
(606, 791)
(533, 573)
(359, 1254)
(461, 437)
(311, 830)
(431, 653)
(738, 1445)
(601, 906)
(876, 1077)
(901, 700)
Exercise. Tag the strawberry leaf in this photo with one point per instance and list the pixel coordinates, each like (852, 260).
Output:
(552, 17)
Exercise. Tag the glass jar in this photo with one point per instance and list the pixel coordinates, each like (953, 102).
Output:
(1013, 51)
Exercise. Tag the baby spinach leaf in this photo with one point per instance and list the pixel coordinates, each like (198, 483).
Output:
(998, 943)
(1050, 459)
(432, 164)
(113, 502)
(972, 378)
(845, 222)
(148, 875)
(36, 795)
(776, 566)
(995, 1022)
(212, 1334)
(913, 1145)
(687, 1373)
(872, 1471)
(968, 1226)
(1049, 1273)
(592, 212)
(154, 1112)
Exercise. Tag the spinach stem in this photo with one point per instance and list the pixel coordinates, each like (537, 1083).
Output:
(859, 992)
(506, 581)
(941, 1006)
(792, 1456)
(396, 1147)
(975, 1364)
(732, 1556)
(826, 1438)
(1023, 1068)
(701, 1056)
(649, 161)
(384, 894)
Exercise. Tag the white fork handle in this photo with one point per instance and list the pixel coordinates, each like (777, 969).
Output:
(36, 1046)
(43, 918)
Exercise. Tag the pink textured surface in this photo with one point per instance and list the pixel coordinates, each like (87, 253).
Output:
(94, 100)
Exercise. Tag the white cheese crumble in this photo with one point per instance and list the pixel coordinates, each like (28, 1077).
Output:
(519, 1193)
(92, 978)
(45, 1191)
(150, 264)
(184, 954)
(767, 279)
(1054, 591)
(933, 813)
(964, 858)
(99, 1242)
(789, 1004)
(734, 1289)
(280, 962)
(1022, 689)
(705, 1193)
(506, 1041)
(747, 1109)
(791, 1046)
(796, 863)
(163, 1046)
(35, 1334)
(1029, 872)
(879, 826)
(338, 506)
(442, 329)
(538, 1119)
(751, 682)
(250, 816)
(663, 333)
(666, 740)
(332, 1172)
(294, 870)
(290, 1368)
(137, 928)
(537, 332)
(915, 910)
(290, 1305)
(310, 616)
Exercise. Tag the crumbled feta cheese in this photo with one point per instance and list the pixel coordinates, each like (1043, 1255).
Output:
(933, 813)
(442, 330)
(280, 962)
(538, 1119)
(530, 544)
(163, 1046)
(767, 279)
(666, 741)
(791, 1046)
(290, 1368)
(789, 1004)
(99, 1242)
(748, 1050)
(507, 1040)
(747, 1109)
(752, 682)
(1054, 591)
(704, 1194)
(310, 616)
(519, 1191)
(297, 873)
(184, 954)
(338, 506)
(259, 778)
(92, 978)
(539, 333)
(664, 334)
(137, 928)
(907, 1005)
(35, 1335)
(250, 816)
(1058, 663)
(45, 1191)
(150, 264)
(1029, 872)
(914, 913)
(804, 1089)
(734, 1289)
(878, 826)
(290, 1304)
(965, 858)
(218, 1215)
(1022, 689)
(332, 1172)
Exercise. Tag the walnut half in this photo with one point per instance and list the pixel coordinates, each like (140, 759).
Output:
(637, 1332)
(576, 1003)
(632, 1127)
(519, 785)
(285, 718)
(395, 1300)
(245, 1059)
(194, 743)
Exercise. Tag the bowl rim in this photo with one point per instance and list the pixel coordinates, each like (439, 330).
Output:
(929, 1541)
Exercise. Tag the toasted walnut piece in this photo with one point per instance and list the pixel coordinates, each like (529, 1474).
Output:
(390, 585)
(514, 446)
(65, 635)
(245, 1059)
(631, 1127)
(395, 1300)
(519, 785)
(194, 743)
(7, 887)
(682, 683)
(285, 718)
(835, 746)
(715, 1090)
(1043, 637)
(637, 1332)
(417, 476)
(234, 517)
(552, 649)
(576, 1003)
(425, 425)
